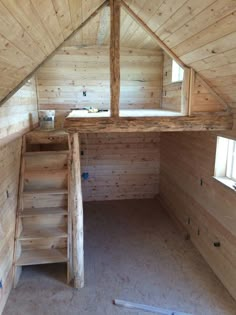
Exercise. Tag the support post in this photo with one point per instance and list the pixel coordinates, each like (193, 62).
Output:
(115, 57)
(191, 90)
(185, 93)
(77, 214)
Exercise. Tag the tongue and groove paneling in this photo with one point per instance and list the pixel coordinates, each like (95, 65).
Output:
(17, 116)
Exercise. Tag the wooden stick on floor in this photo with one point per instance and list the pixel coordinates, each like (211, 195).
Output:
(147, 308)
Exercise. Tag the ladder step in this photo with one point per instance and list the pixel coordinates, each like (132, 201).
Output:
(43, 211)
(45, 179)
(48, 161)
(39, 153)
(46, 192)
(45, 173)
(47, 137)
(35, 233)
(42, 256)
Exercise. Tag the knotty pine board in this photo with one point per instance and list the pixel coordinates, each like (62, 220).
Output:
(9, 174)
(203, 100)
(19, 114)
(62, 80)
(32, 30)
(120, 166)
(202, 34)
(171, 94)
(204, 206)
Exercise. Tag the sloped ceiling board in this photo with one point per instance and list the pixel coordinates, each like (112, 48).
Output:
(169, 52)
(142, 24)
(94, 13)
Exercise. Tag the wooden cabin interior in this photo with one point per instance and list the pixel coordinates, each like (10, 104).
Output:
(118, 157)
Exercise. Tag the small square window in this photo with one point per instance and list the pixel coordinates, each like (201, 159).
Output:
(177, 72)
(225, 162)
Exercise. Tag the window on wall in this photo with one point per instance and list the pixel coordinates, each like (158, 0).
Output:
(177, 72)
(225, 162)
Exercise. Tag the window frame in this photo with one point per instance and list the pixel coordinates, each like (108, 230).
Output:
(225, 161)
(180, 73)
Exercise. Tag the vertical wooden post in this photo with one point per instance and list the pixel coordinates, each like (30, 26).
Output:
(77, 214)
(115, 56)
(185, 92)
(191, 90)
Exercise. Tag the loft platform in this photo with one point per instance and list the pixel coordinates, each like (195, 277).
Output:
(126, 113)
(210, 122)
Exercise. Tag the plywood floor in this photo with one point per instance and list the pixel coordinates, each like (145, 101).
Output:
(134, 252)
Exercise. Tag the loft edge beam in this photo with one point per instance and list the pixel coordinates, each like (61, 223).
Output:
(209, 122)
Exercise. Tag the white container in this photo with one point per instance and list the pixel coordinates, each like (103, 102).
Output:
(46, 119)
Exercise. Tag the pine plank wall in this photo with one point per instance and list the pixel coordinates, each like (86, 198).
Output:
(73, 70)
(203, 206)
(17, 116)
(120, 165)
(125, 166)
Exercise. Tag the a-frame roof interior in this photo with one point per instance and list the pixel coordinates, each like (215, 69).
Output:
(191, 30)
(129, 138)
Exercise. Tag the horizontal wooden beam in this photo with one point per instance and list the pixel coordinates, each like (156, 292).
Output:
(209, 122)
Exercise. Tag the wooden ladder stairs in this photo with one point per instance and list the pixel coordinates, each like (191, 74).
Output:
(43, 223)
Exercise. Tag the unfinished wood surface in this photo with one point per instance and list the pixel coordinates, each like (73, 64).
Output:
(202, 34)
(97, 32)
(150, 124)
(19, 114)
(115, 57)
(36, 30)
(205, 207)
(9, 174)
(146, 308)
(172, 92)
(42, 228)
(120, 166)
(73, 70)
(48, 256)
(160, 268)
(204, 99)
(142, 24)
(77, 214)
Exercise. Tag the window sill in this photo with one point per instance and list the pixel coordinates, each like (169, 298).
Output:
(227, 182)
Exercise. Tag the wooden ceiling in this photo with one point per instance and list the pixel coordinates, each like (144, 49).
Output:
(30, 30)
(202, 33)
(97, 32)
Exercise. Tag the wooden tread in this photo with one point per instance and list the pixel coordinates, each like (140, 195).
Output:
(35, 233)
(43, 211)
(46, 192)
(32, 153)
(46, 172)
(42, 256)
